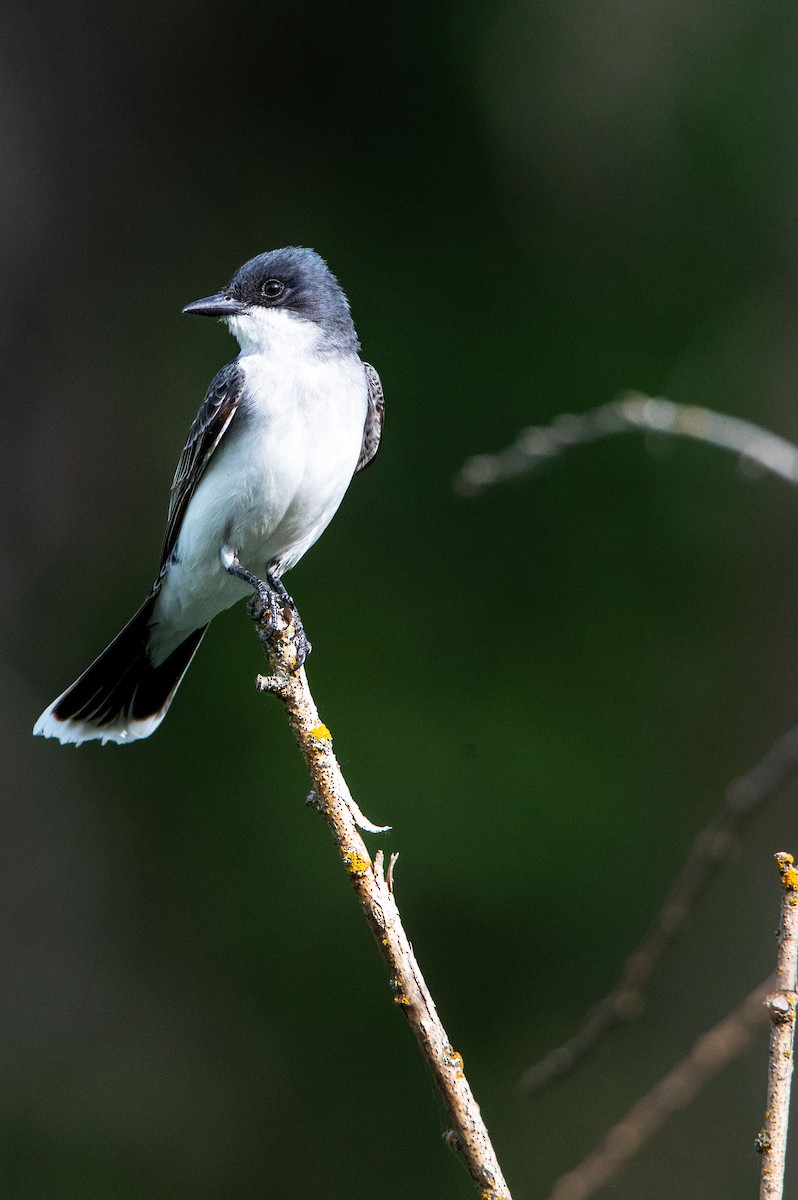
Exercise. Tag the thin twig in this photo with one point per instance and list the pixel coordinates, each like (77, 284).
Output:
(333, 799)
(772, 1140)
(711, 1052)
(540, 443)
(709, 850)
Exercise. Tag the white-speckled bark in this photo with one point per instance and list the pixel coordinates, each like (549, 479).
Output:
(410, 993)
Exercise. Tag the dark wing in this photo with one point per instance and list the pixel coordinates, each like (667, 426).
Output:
(210, 425)
(375, 419)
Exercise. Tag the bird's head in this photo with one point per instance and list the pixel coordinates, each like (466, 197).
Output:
(288, 298)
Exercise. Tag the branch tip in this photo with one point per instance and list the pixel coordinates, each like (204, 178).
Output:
(781, 1007)
(789, 875)
(271, 684)
(390, 876)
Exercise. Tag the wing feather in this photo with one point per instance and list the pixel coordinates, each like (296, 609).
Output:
(217, 412)
(375, 419)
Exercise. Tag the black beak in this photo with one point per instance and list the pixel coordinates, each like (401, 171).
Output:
(216, 306)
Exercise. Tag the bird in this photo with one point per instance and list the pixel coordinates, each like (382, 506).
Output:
(281, 432)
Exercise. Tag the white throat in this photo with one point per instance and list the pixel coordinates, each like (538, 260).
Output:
(275, 331)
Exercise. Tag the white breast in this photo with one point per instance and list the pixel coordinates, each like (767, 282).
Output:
(274, 483)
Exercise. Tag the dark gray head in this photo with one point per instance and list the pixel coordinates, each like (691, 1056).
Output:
(294, 280)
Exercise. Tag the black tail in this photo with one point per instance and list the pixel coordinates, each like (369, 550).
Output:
(122, 696)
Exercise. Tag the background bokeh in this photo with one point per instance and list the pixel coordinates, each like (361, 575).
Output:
(545, 691)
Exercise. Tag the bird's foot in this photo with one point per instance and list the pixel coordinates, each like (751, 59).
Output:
(265, 607)
(302, 646)
(270, 606)
(274, 613)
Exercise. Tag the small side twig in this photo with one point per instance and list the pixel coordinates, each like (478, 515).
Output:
(540, 443)
(772, 1140)
(710, 849)
(709, 1054)
(331, 796)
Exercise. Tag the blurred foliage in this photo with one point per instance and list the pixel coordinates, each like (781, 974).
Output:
(545, 692)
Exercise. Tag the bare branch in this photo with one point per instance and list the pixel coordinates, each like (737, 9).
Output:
(332, 798)
(711, 1052)
(772, 1140)
(709, 850)
(634, 411)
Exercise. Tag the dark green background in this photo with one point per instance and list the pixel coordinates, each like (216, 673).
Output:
(545, 691)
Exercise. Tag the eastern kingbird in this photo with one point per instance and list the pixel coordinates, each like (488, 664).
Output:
(281, 431)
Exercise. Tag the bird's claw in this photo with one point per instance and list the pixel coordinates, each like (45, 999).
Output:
(302, 647)
(270, 605)
(272, 613)
(265, 608)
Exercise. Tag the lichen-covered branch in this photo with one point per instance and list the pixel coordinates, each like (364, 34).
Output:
(374, 890)
(540, 443)
(710, 849)
(772, 1140)
(711, 1052)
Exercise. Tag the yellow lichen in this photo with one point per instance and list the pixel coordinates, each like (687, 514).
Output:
(455, 1059)
(320, 733)
(789, 874)
(355, 863)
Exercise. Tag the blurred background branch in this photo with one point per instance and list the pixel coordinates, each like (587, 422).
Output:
(757, 448)
(708, 1055)
(711, 848)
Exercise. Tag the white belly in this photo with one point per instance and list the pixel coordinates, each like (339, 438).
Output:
(269, 491)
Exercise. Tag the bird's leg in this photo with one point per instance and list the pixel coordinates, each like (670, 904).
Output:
(266, 604)
(303, 646)
(269, 602)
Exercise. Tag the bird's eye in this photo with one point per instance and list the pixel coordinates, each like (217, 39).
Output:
(273, 289)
